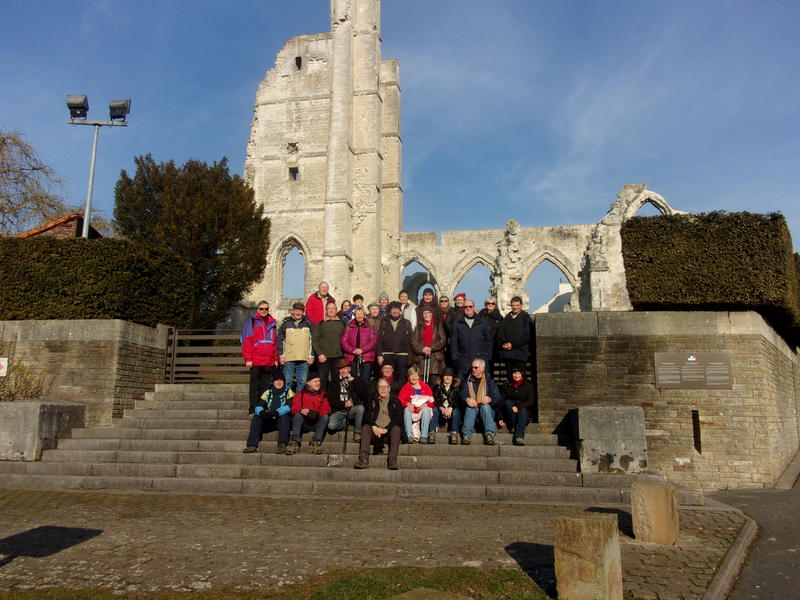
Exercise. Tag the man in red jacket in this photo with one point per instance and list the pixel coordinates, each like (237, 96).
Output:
(316, 303)
(260, 350)
(311, 411)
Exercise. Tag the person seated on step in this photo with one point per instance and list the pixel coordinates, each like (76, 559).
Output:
(481, 396)
(446, 406)
(346, 395)
(273, 412)
(417, 400)
(517, 404)
(383, 419)
(310, 412)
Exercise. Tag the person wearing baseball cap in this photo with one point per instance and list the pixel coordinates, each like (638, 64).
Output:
(295, 351)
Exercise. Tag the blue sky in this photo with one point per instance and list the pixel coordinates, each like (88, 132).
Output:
(538, 111)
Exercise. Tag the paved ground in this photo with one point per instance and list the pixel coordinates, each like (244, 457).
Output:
(147, 542)
(778, 543)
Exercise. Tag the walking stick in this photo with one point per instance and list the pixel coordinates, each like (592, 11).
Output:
(426, 369)
(346, 426)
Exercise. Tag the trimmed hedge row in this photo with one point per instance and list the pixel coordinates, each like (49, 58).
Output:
(714, 261)
(49, 278)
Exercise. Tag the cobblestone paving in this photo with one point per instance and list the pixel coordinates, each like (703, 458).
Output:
(140, 542)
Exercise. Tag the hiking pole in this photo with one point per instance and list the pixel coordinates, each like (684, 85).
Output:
(426, 369)
(346, 426)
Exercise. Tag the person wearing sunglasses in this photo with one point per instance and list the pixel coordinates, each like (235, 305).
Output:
(471, 339)
(480, 397)
(260, 350)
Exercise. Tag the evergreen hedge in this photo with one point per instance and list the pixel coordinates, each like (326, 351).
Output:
(50, 278)
(714, 261)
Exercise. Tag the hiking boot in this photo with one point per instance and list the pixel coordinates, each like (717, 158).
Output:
(315, 447)
(489, 439)
(250, 450)
(363, 461)
(432, 437)
(356, 437)
(281, 448)
(292, 448)
(465, 441)
(391, 463)
(453, 438)
(519, 442)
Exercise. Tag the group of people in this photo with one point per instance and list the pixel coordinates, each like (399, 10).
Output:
(313, 372)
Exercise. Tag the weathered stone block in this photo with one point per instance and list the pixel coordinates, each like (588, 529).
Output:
(612, 439)
(27, 428)
(654, 508)
(587, 557)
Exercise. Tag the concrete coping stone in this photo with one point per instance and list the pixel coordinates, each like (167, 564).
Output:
(86, 330)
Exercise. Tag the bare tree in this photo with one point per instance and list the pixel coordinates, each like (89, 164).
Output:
(30, 192)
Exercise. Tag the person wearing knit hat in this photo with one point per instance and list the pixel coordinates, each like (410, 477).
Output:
(518, 404)
(394, 341)
(273, 412)
(383, 302)
(310, 412)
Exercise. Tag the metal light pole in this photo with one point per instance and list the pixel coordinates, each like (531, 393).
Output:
(78, 106)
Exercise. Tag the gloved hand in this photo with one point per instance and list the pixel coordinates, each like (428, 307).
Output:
(272, 414)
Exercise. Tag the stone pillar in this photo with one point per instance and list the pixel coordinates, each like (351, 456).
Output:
(391, 204)
(366, 147)
(654, 508)
(337, 252)
(587, 557)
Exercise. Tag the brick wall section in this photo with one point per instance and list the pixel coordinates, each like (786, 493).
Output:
(105, 364)
(749, 433)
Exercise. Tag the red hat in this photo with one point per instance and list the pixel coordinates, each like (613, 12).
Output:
(461, 295)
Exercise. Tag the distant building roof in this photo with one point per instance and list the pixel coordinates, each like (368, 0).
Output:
(67, 226)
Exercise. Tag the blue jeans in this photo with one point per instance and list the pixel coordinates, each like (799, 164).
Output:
(424, 423)
(298, 368)
(455, 420)
(260, 425)
(487, 416)
(515, 421)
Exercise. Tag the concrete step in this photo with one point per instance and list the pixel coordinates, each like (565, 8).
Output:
(203, 396)
(388, 485)
(158, 404)
(161, 433)
(333, 444)
(204, 388)
(241, 423)
(191, 412)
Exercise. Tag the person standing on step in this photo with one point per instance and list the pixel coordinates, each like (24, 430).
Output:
(326, 341)
(446, 406)
(471, 339)
(481, 397)
(517, 405)
(260, 350)
(383, 419)
(408, 309)
(358, 343)
(316, 303)
(295, 351)
(514, 337)
(310, 412)
(394, 341)
(273, 412)
(346, 395)
(427, 342)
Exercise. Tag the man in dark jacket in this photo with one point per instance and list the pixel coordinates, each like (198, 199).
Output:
(480, 397)
(346, 395)
(394, 341)
(514, 337)
(383, 421)
(471, 339)
(272, 412)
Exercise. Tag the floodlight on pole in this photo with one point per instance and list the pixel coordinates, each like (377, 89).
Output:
(78, 106)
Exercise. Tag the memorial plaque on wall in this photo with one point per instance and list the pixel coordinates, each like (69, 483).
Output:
(693, 370)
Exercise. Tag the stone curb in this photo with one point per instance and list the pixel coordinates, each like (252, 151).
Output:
(729, 569)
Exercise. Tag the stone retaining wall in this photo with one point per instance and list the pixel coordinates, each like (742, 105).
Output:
(105, 364)
(748, 433)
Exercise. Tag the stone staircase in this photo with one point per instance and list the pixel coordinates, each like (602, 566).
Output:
(189, 439)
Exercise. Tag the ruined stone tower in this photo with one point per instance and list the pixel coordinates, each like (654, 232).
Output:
(324, 157)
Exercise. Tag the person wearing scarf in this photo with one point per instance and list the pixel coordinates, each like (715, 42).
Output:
(427, 342)
(310, 412)
(446, 406)
(518, 405)
(383, 419)
(271, 413)
(480, 396)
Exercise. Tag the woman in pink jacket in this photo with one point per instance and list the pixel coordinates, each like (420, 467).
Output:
(358, 342)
